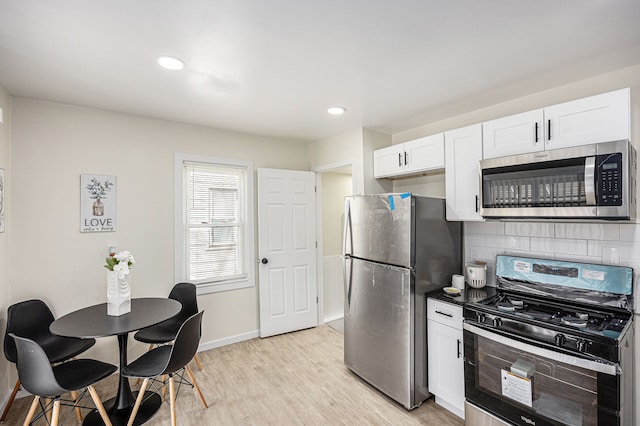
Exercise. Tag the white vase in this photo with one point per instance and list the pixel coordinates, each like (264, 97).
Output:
(118, 294)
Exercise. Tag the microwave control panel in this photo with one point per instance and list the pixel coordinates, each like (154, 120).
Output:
(609, 179)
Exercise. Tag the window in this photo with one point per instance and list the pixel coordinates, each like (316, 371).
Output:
(214, 222)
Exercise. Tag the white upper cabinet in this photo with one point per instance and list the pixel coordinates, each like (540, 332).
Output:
(599, 118)
(411, 157)
(388, 161)
(515, 134)
(463, 152)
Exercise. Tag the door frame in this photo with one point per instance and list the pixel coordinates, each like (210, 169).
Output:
(326, 168)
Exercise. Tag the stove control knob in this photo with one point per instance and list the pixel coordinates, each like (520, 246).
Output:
(481, 318)
(560, 339)
(497, 322)
(581, 345)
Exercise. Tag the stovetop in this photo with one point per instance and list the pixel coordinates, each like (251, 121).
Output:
(571, 327)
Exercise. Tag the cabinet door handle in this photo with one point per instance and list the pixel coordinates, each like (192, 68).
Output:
(477, 204)
(405, 158)
(445, 314)
(459, 352)
(549, 130)
(537, 138)
(399, 160)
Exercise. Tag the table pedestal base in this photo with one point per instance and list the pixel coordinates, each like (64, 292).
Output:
(150, 404)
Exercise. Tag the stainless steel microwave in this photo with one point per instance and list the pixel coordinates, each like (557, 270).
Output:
(584, 182)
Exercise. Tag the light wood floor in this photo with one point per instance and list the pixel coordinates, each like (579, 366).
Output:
(292, 379)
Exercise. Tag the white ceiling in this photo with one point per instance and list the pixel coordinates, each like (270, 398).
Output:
(272, 67)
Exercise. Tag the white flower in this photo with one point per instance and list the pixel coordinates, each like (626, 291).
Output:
(124, 256)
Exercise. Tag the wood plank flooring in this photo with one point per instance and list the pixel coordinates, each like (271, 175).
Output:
(292, 379)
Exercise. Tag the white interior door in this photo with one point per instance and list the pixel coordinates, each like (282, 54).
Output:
(287, 251)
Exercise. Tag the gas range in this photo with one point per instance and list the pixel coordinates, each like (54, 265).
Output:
(569, 327)
(554, 346)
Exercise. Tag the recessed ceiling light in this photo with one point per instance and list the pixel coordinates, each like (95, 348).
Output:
(336, 110)
(170, 63)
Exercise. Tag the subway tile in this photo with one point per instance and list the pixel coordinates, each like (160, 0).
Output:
(555, 245)
(508, 242)
(496, 228)
(475, 240)
(578, 258)
(626, 249)
(529, 229)
(629, 232)
(588, 231)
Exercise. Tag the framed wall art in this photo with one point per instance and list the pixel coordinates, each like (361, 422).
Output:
(97, 203)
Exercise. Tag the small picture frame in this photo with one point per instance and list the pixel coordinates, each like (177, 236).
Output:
(97, 203)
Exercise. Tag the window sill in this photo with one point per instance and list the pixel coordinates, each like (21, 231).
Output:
(206, 288)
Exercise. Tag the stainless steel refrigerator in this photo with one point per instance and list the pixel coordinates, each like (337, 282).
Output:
(397, 248)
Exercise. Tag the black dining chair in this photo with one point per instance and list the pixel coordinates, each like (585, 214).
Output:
(165, 332)
(46, 381)
(31, 319)
(168, 360)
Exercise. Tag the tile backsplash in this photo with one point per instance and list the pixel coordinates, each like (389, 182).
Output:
(606, 243)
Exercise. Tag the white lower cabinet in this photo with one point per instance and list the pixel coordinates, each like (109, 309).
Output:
(445, 355)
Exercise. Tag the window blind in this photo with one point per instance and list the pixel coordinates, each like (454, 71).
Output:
(215, 221)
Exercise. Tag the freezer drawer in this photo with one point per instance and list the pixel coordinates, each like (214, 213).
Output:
(379, 327)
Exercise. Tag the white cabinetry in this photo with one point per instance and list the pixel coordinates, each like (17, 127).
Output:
(463, 149)
(445, 351)
(599, 118)
(411, 157)
(511, 135)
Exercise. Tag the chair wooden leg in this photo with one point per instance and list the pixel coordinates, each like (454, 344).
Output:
(136, 406)
(16, 388)
(196, 387)
(32, 411)
(198, 361)
(74, 395)
(99, 406)
(172, 400)
(56, 412)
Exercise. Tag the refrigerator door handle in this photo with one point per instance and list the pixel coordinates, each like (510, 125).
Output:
(347, 280)
(348, 232)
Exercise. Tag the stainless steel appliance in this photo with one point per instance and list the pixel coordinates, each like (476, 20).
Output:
(591, 181)
(553, 347)
(397, 248)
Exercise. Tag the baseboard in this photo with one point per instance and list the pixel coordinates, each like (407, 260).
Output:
(333, 318)
(218, 343)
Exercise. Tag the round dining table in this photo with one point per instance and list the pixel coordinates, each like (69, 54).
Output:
(94, 322)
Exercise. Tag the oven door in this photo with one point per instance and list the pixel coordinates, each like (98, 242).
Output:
(529, 385)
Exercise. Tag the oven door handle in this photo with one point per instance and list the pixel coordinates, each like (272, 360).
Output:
(599, 366)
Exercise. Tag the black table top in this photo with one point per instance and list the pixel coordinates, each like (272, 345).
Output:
(94, 321)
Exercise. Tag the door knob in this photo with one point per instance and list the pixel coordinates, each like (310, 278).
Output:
(264, 260)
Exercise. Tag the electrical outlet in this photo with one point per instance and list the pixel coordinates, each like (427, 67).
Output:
(611, 255)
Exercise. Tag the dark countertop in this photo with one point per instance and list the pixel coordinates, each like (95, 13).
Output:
(469, 294)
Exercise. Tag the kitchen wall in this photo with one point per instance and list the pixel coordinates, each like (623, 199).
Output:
(52, 145)
(5, 241)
